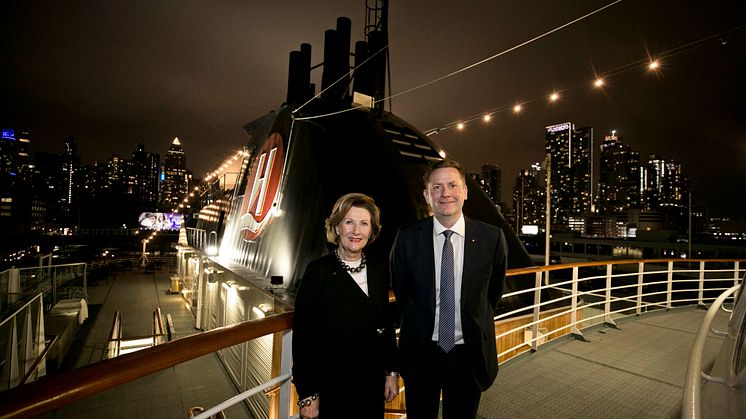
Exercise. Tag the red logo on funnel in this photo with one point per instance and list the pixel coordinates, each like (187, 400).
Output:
(262, 187)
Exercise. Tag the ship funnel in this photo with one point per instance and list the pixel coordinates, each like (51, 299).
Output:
(299, 75)
(337, 63)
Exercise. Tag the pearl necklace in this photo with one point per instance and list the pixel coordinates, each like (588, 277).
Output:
(349, 268)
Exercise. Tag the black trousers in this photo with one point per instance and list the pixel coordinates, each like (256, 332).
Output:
(438, 371)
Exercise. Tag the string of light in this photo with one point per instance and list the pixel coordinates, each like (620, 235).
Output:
(599, 81)
(211, 176)
(461, 70)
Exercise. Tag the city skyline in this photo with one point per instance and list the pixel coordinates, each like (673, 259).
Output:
(126, 74)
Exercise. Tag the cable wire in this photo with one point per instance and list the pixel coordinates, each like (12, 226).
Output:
(461, 70)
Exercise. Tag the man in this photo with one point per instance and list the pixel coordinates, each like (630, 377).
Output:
(448, 273)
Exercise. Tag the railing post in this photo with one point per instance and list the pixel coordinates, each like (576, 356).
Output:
(701, 294)
(535, 317)
(14, 285)
(669, 288)
(735, 273)
(286, 359)
(607, 304)
(575, 330)
(40, 344)
(54, 285)
(14, 376)
(640, 278)
(574, 303)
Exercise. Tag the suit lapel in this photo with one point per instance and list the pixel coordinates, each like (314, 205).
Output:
(471, 241)
(425, 242)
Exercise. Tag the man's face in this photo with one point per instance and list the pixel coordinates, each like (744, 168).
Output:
(445, 192)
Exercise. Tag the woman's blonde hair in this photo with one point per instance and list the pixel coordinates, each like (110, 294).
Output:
(343, 205)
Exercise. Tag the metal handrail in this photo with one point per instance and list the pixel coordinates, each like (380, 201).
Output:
(70, 386)
(37, 362)
(534, 269)
(159, 332)
(691, 406)
(115, 336)
(634, 302)
(245, 395)
(62, 389)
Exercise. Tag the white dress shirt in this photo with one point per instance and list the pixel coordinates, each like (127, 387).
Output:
(457, 239)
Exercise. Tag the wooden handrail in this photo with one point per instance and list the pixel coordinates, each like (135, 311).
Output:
(54, 392)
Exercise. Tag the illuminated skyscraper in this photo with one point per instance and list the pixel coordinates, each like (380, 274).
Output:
(529, 200)
(174, 177)
(71, 179)
(571, 151)
(619, 174)
(146, 169)
(664, 184)
(492, 182)
(15, 181)
(116, 174)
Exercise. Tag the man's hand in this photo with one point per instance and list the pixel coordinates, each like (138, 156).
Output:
(391, 389)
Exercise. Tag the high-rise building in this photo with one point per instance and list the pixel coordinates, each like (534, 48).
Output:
(664, 184)
(50, 185)
(146, 169)
(618, 177)
(116, 174)
(14, 152)
(571, 151)
(15, 181)
(529, 197)
(492, 182)
(71, 182)
(175, 177)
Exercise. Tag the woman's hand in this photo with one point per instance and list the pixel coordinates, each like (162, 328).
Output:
(311, 411)
(391, 389)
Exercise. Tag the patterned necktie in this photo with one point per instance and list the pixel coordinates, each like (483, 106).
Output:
(447, 323)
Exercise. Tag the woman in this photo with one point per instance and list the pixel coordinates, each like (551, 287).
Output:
(344, 344)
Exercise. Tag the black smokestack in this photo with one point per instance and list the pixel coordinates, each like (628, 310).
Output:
(299, 75)
(362, 79)
(377, 41)
(337, 63)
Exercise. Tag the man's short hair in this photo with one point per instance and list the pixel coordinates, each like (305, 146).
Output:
(443, 164)
(343, 205)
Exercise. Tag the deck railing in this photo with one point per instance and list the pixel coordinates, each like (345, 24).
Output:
(583, 295)
(17, 284)
(23, 345)
(80, 383)
(691, 406)
(590, 293)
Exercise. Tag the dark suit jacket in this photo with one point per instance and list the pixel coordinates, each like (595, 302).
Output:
(343, 340)
(483, 278)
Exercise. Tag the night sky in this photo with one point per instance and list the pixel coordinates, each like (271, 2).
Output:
(113, 74)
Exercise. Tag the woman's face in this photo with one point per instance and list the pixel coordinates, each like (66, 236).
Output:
(354, 231)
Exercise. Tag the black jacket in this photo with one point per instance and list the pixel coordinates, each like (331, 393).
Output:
(343, 341)
(483, 279)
